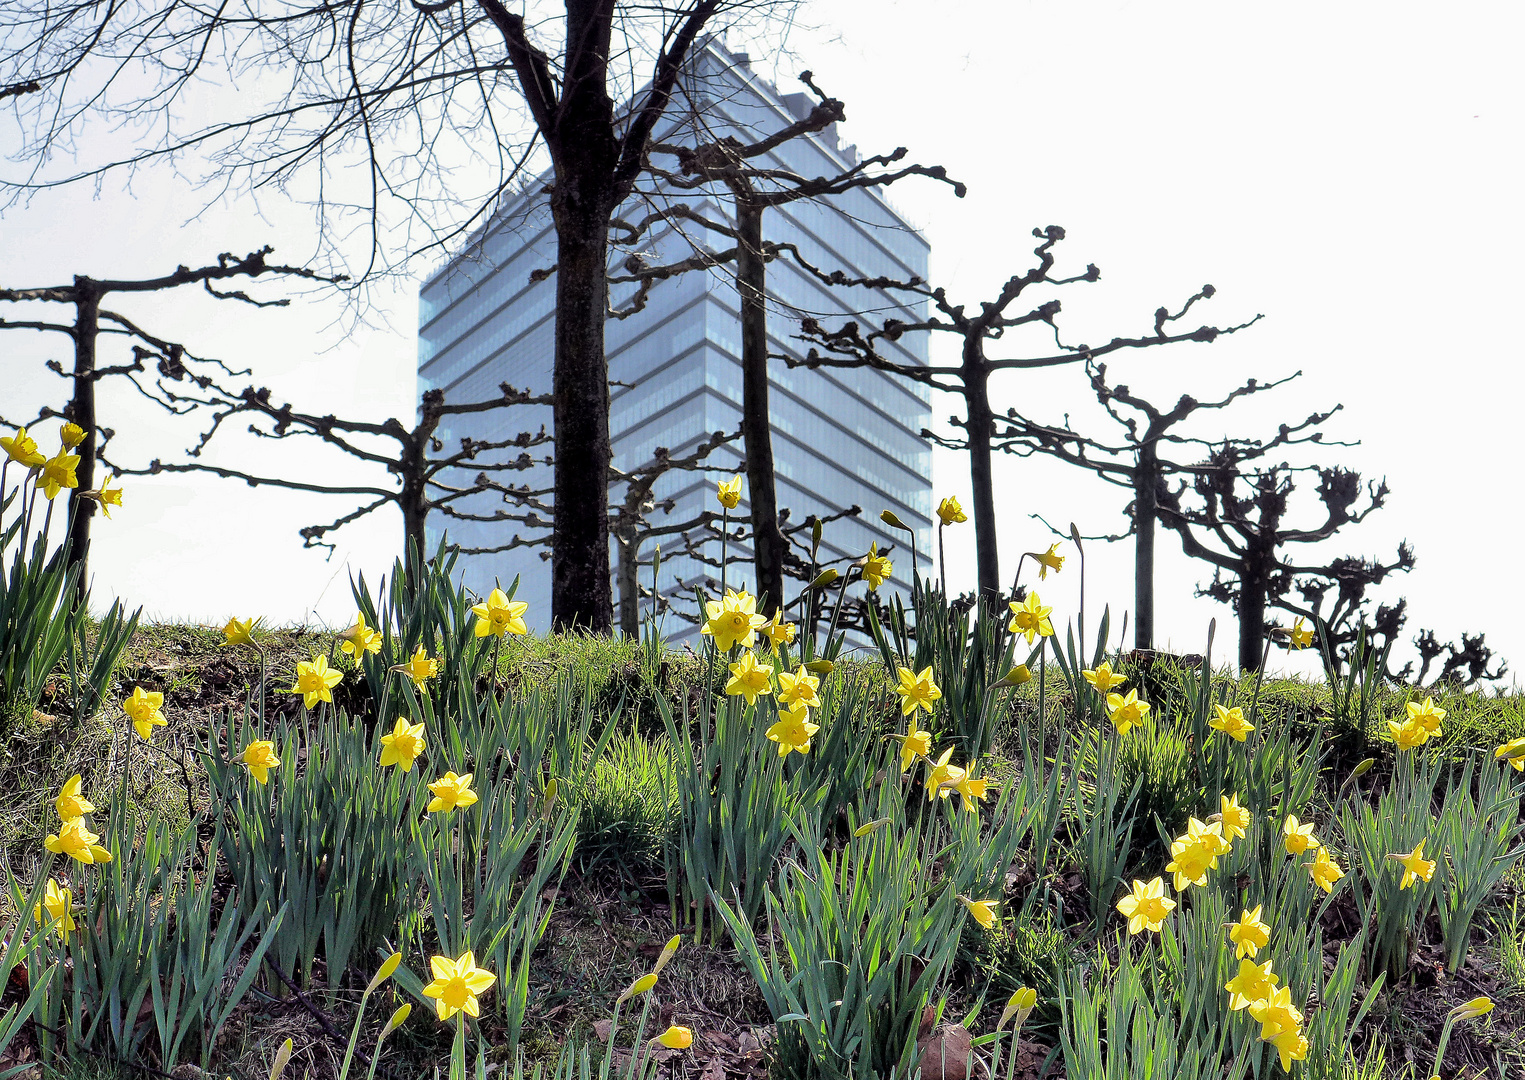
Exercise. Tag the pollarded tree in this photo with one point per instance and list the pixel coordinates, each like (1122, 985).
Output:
(1142, 455)
(756, 182)
(415, 92)
(421, 469)
(1239, 523)
(170, 360)
(851, 345)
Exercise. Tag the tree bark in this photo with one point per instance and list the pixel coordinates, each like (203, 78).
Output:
(1146, 478)
(81, 410)
(756, 426)
(583, 198)
(1252, 615)
(629, 586)
(980, 430)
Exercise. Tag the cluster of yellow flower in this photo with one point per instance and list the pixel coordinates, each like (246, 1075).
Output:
(1420, 726)
(733, 621)
(75, 840)
(56, 473)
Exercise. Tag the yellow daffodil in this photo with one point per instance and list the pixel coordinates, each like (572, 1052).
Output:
(1030, 618)
(1195, 853)
(1300, 636)
(1101, 678)
(1325, 871)
(1231, 722)
(778, 633)
(915, 743)
(1290, 1046)
(457, 985)
(916, 690)
(982, 910)
(1016, 676)
(77, 842)
(1427, 716)
(1408, 735)
(1126, 712)
(943, 777)
(799, 688)
(58, 903)
(239, 632)
(315, 680)
(1146, 906)
(451, 792)
(259, 758)
(733, 620)
(750, 679)
(1469, 1010)
(106, 497)
(420, 666)
(676, 1038)
(71, 435)
(70, 802)
(1276, 1013)
(403, 746)
(498, 615)
(949, 512)
(793, 731)
(58, 473)
(22, 449)
(729, 492)
(1234, 818)
(1249, 935)
(1255, 982)
(360, 639)
(876, 567)
(1415, 866)
(142, 707)
(1048, 560)
(1297, 836)
(637, 988)
(1513, 752)
(1019, 1006)
(971, 791)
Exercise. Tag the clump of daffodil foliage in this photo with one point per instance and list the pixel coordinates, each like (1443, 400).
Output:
(908, 866)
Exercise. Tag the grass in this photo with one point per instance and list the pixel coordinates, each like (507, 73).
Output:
(612, 915)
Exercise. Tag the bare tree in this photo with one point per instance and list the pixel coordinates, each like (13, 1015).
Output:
(851, 346)
(91, 322)
(1239, 524)
(424, 470)
(755, 184)
(1141, 455)
(415, 91)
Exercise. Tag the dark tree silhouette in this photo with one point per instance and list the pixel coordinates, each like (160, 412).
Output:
(851, 346)
(414, 455)
(1142, 455)
(755, 184)
(171, 361)
(411, 90)
(1239, 523)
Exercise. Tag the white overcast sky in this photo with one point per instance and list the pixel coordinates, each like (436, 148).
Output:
(1351, 171)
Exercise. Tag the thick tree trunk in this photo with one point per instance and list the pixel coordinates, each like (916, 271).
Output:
(81, 410)
(756, 428)
(981, 429)
(1252, 618)
(1146, 476)
(583, 198)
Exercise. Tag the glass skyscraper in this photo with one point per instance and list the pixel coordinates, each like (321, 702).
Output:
(840, 437)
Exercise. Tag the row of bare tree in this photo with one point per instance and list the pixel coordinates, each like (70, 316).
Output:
(415, 88)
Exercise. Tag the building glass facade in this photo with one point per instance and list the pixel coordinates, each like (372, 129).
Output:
(840, 437)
